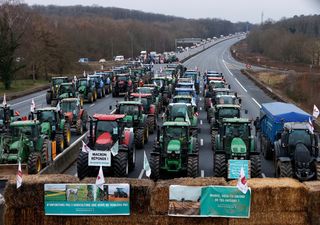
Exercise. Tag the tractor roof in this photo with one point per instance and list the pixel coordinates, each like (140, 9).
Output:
(69, 100)
(130, 103)
(226, 96)
(296, 126)
(137, 95)
(108, 117)
(47, 109)
(66, 84)
(24, 123)
(176, 124)
(179, 104)
(184, 89)
(216, 80)
(123, 75)
(183, 97)
(235, 120)
(227, 106)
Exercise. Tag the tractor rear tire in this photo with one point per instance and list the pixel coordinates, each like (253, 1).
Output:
(44, 152)
(83, 169)
(132, 158)
(155, 167)
(213, 139)
(317, 168)
(255, 166)
(139, 138)
(220, 165)
(48, 97)
(34, 163)
(146, 134)
(151, 124)
(121, 164)
(284, 169)
(66, 135)
(79, 127)
(59, 143)
(193, 166)
(90, 97)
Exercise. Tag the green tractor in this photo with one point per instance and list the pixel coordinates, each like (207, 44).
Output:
(165, 88)
(65, 90)
(76, 115)
(53, 92)
(87, 90)
(136, 119)
(235, 141)
(24, 142)
(55, 126)
(175, 151)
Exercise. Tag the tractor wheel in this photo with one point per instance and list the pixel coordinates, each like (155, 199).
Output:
(121, 165)
(34, 163)
(151, 124)
(193, 166)
(82, 165)
(90, 97)
(95, 95)
(59, 143)
(213, 139)
(155, 167)
(48, 97)
(84, 120)
(255, 166)
(44, 152)
(54, 103)
(146, 134)
(139, 138)
(66, 135)
(220, 165)
(284, 169)
(79, 127)
(317, 167)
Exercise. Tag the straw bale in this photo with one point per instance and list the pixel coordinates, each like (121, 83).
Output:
(140, 192)
(31, 193)
(277, 194)
(273, 218)
(313, 201)
(160, 195)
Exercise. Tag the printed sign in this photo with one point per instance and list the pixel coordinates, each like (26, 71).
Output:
(235, 166)
(99, 158)
(208, 201)
(86, 199)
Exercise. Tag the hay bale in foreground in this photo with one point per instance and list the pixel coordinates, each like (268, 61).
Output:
(313, 201)
(140, 192)
(277, 194)
(160, 195)
(273, 218)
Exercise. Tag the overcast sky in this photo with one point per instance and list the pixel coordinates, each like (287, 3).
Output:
(234, 10)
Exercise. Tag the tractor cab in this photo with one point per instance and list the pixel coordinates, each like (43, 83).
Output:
(56, 82)
(133, 111)
(226, 99)
(145, 99)
(219, 112)
(179, 112)
(66, 90)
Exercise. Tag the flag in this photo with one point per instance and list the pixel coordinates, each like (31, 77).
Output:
(187, 118)
(19, 176)
(310, 126)
(75, 79)
(4, 102)
(85, 148)
(146, 165)
(33, 106)
(315, 111)
(84, 73)
(242, 184)
(100, 179)
(58, 106)
(115, 148)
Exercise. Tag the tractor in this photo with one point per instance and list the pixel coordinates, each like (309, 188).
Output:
(24, 142)
(122, 84)
(73, 111)
(187, 91)
(87, 90)
(149, 109)
(136, 119)
(165, 89)
(194, 74)
(53, 92)
(235, 141)
(99, 85)
(297, 152)
(107, 131)
(210, 96)
(153, 90)
(65, 90)
(175, 151)
(54, 125)
(120, 193)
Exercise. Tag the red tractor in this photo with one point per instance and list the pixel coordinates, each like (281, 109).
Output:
(107, 132)
(149, 109)
(74, 114)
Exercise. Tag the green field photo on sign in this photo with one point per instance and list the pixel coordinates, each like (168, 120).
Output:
(55, 192)
(221, 201)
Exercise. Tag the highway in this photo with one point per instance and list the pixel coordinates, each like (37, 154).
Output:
(216, 58)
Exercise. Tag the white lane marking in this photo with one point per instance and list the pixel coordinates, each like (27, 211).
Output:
(224, 63)
(141, 174)
(200, 108)
(256, 102)
(201, 142)
(202, 173)
(92, 105)
(201, 122)
(28, 100)
(263, 175)
(241, 85)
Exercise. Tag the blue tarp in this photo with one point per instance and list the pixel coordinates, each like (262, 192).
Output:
(285, 112)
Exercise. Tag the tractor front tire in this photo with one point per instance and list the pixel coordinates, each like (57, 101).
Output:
(34, 163)
(193, 166)
(284, 169)
(255, 166)
(121, 165)
(317, 168)
(151, 124)
(155, 167)
(44, 152)
(213, 139)
(220, 165)
(139, 138)
(83, 169)
(79, 127)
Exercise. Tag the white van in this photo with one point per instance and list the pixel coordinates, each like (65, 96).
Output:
(119, 58)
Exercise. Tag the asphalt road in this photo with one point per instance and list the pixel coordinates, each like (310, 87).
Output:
(216, 58)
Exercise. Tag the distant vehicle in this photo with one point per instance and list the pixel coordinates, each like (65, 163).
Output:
(102, 61)
(83, 60)
(119, 58)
